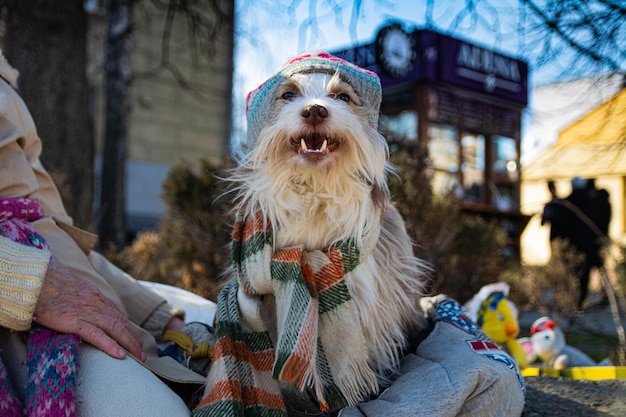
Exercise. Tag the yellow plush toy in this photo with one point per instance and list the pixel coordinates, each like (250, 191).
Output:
(496, 315)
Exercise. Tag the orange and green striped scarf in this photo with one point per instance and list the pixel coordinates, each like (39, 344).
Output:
(320, 345)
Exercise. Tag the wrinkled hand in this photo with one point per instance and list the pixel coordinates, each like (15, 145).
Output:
(69, 304)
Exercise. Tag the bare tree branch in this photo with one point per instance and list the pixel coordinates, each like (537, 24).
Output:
(559, 22)
(203, 33)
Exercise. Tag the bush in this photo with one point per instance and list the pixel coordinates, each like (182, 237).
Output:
(552, 289)
(191, 249)
(463, 249)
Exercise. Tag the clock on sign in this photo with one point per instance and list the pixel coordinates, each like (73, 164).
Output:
(394, 50)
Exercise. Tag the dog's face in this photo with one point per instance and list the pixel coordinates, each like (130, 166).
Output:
(317, 161)
(318, 125)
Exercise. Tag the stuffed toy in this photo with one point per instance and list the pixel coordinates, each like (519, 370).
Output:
(527, 346)
(496, 315)
(547, 344)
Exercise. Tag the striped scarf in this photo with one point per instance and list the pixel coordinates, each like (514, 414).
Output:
(320, 345)
(51, 357)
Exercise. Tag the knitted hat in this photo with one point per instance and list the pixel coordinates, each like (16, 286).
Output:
(365, 83)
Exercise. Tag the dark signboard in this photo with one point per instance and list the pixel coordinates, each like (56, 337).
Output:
(481, 69)
(400, 58)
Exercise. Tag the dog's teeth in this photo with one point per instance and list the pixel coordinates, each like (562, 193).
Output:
(323, 148)
(303, 144)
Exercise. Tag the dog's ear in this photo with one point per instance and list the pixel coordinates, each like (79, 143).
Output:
(380, 195)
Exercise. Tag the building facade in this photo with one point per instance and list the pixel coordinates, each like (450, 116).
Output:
(593, 146)
(464, 104)
(180, 98)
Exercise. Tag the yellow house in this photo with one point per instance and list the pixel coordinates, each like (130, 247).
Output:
(592, 147)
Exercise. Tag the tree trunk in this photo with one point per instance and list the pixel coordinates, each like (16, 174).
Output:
(112, 225)
(46, 42)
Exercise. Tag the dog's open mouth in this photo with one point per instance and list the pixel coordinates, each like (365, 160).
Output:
(313, 146)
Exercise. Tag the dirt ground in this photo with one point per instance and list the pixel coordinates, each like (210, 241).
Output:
(565, 397)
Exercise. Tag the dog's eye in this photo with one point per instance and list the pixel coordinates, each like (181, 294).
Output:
(288, 95)
(343, 97)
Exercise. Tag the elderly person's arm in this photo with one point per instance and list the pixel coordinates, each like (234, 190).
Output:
(69, 304)
(33, 287)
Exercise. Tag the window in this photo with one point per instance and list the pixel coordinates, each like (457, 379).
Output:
(505, 172)
(399, 126)
(473, 167)
(503, 197)
(443, 147)
(505, 157)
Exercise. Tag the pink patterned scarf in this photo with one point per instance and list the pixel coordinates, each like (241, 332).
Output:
(52, 357)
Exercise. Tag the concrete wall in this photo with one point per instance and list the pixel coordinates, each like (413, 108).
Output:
(170, 122)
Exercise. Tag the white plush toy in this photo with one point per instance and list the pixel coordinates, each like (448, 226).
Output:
(547, 343)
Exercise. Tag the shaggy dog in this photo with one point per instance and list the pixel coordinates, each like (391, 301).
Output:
(316, 171)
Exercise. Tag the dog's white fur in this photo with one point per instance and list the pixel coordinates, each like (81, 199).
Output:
(321, 196)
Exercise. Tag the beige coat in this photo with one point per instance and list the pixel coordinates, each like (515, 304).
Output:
(22, 175)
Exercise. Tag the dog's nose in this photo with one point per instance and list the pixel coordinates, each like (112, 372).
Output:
(314, 114)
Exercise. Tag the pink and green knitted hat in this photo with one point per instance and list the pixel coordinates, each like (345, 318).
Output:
(365, 83)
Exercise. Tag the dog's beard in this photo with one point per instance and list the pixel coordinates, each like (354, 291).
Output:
(317, 183)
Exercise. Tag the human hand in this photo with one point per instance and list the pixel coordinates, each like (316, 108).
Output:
(175, 323)
(69, 304)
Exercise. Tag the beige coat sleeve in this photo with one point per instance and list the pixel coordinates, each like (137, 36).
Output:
(22, 272)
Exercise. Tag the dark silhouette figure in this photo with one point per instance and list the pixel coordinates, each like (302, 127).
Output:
(553, 210)
(583, 221)
(600, 207)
